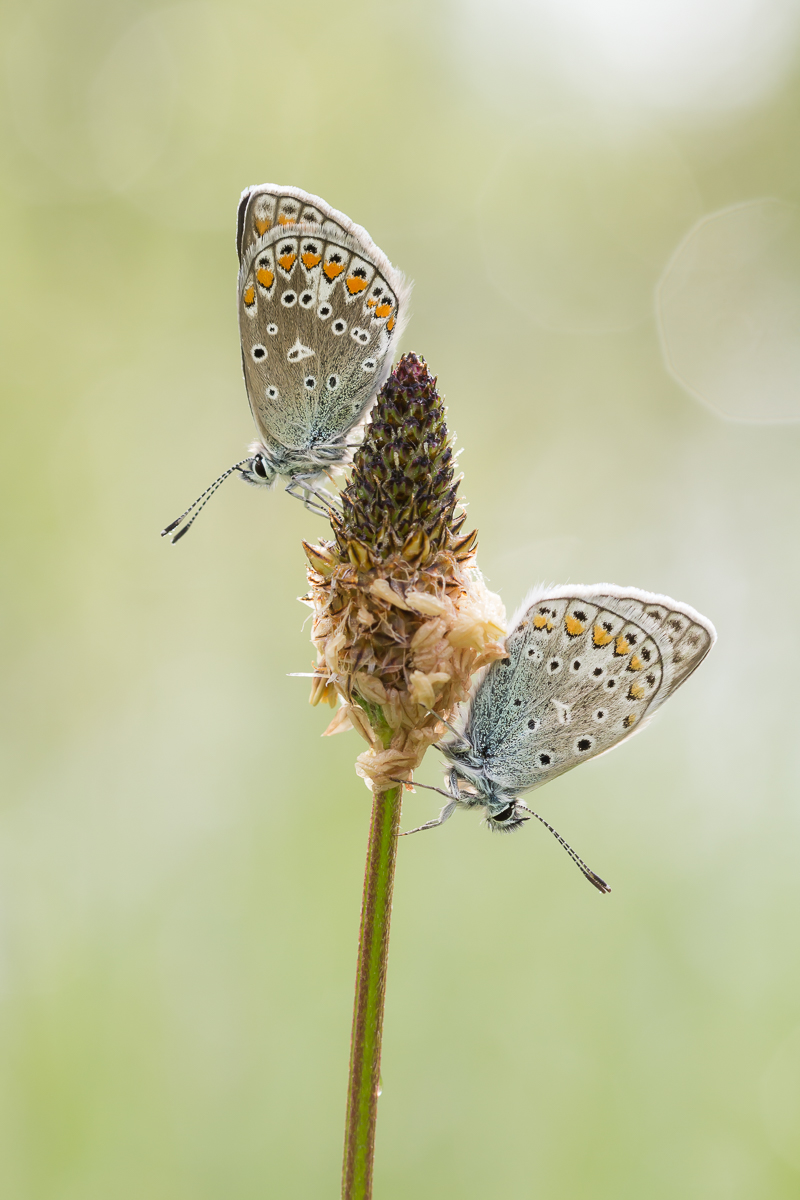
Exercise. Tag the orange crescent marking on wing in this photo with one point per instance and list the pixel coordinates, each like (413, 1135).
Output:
(333, 269)
(265, 277)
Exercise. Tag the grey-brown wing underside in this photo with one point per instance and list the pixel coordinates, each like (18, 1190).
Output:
(586, 666)
(320, 307)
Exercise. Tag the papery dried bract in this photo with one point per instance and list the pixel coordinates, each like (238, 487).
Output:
(402, 616)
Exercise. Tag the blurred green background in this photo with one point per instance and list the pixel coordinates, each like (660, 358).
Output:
(180, 854)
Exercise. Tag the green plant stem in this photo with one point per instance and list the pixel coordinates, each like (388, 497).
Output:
(373, 952)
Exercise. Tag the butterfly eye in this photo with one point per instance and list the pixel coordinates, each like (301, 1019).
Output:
(259, 468)
(505, 814)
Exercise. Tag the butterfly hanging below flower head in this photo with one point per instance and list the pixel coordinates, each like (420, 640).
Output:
(587, 667)
(320, 310)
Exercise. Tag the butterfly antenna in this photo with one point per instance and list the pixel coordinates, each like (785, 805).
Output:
(202, 500)
(595, 880)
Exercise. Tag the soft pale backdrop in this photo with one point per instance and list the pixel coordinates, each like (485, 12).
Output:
(180, 852)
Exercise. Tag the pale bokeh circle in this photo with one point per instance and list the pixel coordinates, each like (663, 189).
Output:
(728, 309)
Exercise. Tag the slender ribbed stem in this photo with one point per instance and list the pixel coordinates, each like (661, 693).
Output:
(373, 952)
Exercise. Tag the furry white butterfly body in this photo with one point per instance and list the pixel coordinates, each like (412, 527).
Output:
(586, 667)
(320, 310)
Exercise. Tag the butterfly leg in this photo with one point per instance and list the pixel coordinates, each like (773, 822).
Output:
(310, 497)
(315, 498)
(444, 815)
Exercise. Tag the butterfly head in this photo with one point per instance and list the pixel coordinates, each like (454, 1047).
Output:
(474, 789)
(506, 819)
(261, 469)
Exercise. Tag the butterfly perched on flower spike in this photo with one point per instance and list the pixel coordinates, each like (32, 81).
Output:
(586, 668)
(320, 310)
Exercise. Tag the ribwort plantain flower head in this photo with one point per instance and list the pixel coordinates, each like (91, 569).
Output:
(402, 618)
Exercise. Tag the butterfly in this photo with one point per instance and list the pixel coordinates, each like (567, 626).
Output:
(586, 668)
(320, 310)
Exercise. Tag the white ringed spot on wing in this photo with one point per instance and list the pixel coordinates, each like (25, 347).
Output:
(259, 352)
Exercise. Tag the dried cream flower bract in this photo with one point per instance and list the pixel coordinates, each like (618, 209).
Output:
(402, 618)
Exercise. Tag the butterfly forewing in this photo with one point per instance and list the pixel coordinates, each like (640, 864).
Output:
(585, 667)
(320, 308)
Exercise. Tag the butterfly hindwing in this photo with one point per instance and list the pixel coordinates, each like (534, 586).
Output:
(586, 666)
(320, 308)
